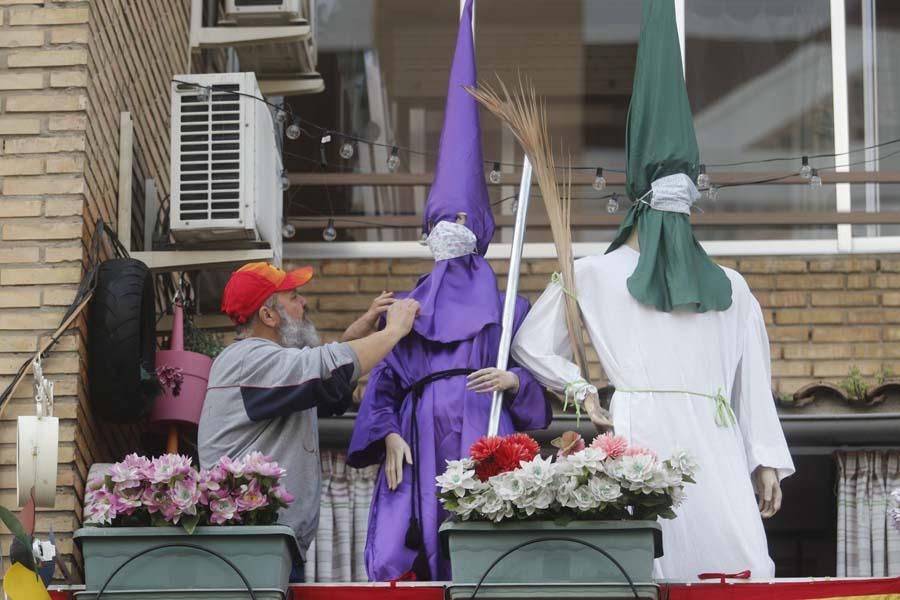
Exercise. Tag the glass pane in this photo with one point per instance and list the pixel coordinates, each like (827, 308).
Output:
(873, 48)
(759, 79)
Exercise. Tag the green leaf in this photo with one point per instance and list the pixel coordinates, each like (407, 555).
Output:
(667, 513)
(562, 520)
(687, 479)
(15, 527)
(189, 522)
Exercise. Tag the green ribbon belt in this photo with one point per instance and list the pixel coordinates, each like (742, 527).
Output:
(724, 414)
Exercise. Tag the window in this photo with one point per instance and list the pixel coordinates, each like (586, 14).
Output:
(759, 74)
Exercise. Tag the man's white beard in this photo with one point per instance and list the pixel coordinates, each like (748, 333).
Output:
(297, 333)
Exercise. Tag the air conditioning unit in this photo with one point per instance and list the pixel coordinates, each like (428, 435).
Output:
(267, 12)
(226, 169)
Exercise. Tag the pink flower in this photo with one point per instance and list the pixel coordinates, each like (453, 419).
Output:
(232, 467)
(614, 445)
(168, 467)
(259, 464)
(185, 495)
(251, 497)
(569, 443)
(100, 507)
(210, 483)
(136, 461)
(636, 451)
(125, 476)
(222, 511)
(281, 495)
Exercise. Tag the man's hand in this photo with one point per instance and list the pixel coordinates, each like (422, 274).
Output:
(768, 490)
(368, 322)
(400, 317)
(396, 451)
(599, 416)
(493, 379)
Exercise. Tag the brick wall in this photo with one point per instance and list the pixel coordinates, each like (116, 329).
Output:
(43, 74)
(824, 314)
(67, 68)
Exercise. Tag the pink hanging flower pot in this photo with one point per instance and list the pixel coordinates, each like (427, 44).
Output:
(183, 375)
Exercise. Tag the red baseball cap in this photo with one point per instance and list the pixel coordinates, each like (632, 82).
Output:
(250, 286)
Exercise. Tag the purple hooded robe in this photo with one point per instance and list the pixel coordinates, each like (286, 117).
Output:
(458, 327)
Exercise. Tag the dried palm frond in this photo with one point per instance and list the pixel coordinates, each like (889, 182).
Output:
(524, 113)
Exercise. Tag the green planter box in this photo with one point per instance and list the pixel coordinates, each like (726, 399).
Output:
(554, 568)
(264, 555)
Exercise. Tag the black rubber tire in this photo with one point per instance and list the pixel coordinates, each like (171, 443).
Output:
(122, 342)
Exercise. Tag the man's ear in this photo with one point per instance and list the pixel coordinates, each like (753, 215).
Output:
(267, 316)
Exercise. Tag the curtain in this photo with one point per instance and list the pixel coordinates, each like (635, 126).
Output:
(336, 555)
(868, 544)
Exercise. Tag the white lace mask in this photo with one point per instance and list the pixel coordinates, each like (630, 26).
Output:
(674, 193)
(451, 240)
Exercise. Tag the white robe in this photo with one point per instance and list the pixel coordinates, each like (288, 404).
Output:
(718, 528)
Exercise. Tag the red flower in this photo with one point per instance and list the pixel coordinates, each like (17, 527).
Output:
(495, 455)
(530, 447)
(485, 448)
(508, 456)
(487, 469)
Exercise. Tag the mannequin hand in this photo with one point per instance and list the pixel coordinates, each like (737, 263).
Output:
(768, 490)
(396, 450)
(599, 416)
(368, 322)
(492, 379)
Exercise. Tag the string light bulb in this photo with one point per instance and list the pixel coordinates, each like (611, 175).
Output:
(805, 170)
(346, 151)
(323, 158)
(514, 206)
(280, 116)
(612, 207)
(599, 180)
(285, 181)
(495, 175)
(293, 131)
(712, 193)
(203, 93)
(702, 178)
(394, 159)
(329, 234)
(288, 231)
(815, 182)
(423, 239)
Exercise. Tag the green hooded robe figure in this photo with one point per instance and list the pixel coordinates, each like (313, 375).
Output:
(681, 339)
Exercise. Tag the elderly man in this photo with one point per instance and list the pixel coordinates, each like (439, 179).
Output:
(267, 389)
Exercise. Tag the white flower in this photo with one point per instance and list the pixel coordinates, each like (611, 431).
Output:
(637, 469)
(459, 478)
(507, 486)
(678, 495)
(469, 504)
(585, 499)
(661, 479)
(605, 489)
(491, 504)
(682, 462)
(589, 458)
(544, 498)
(537, 473)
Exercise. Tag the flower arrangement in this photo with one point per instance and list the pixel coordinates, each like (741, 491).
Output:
(506, 478)
(167, 490)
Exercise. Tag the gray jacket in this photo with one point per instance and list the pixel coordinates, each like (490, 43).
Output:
(263, 396)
